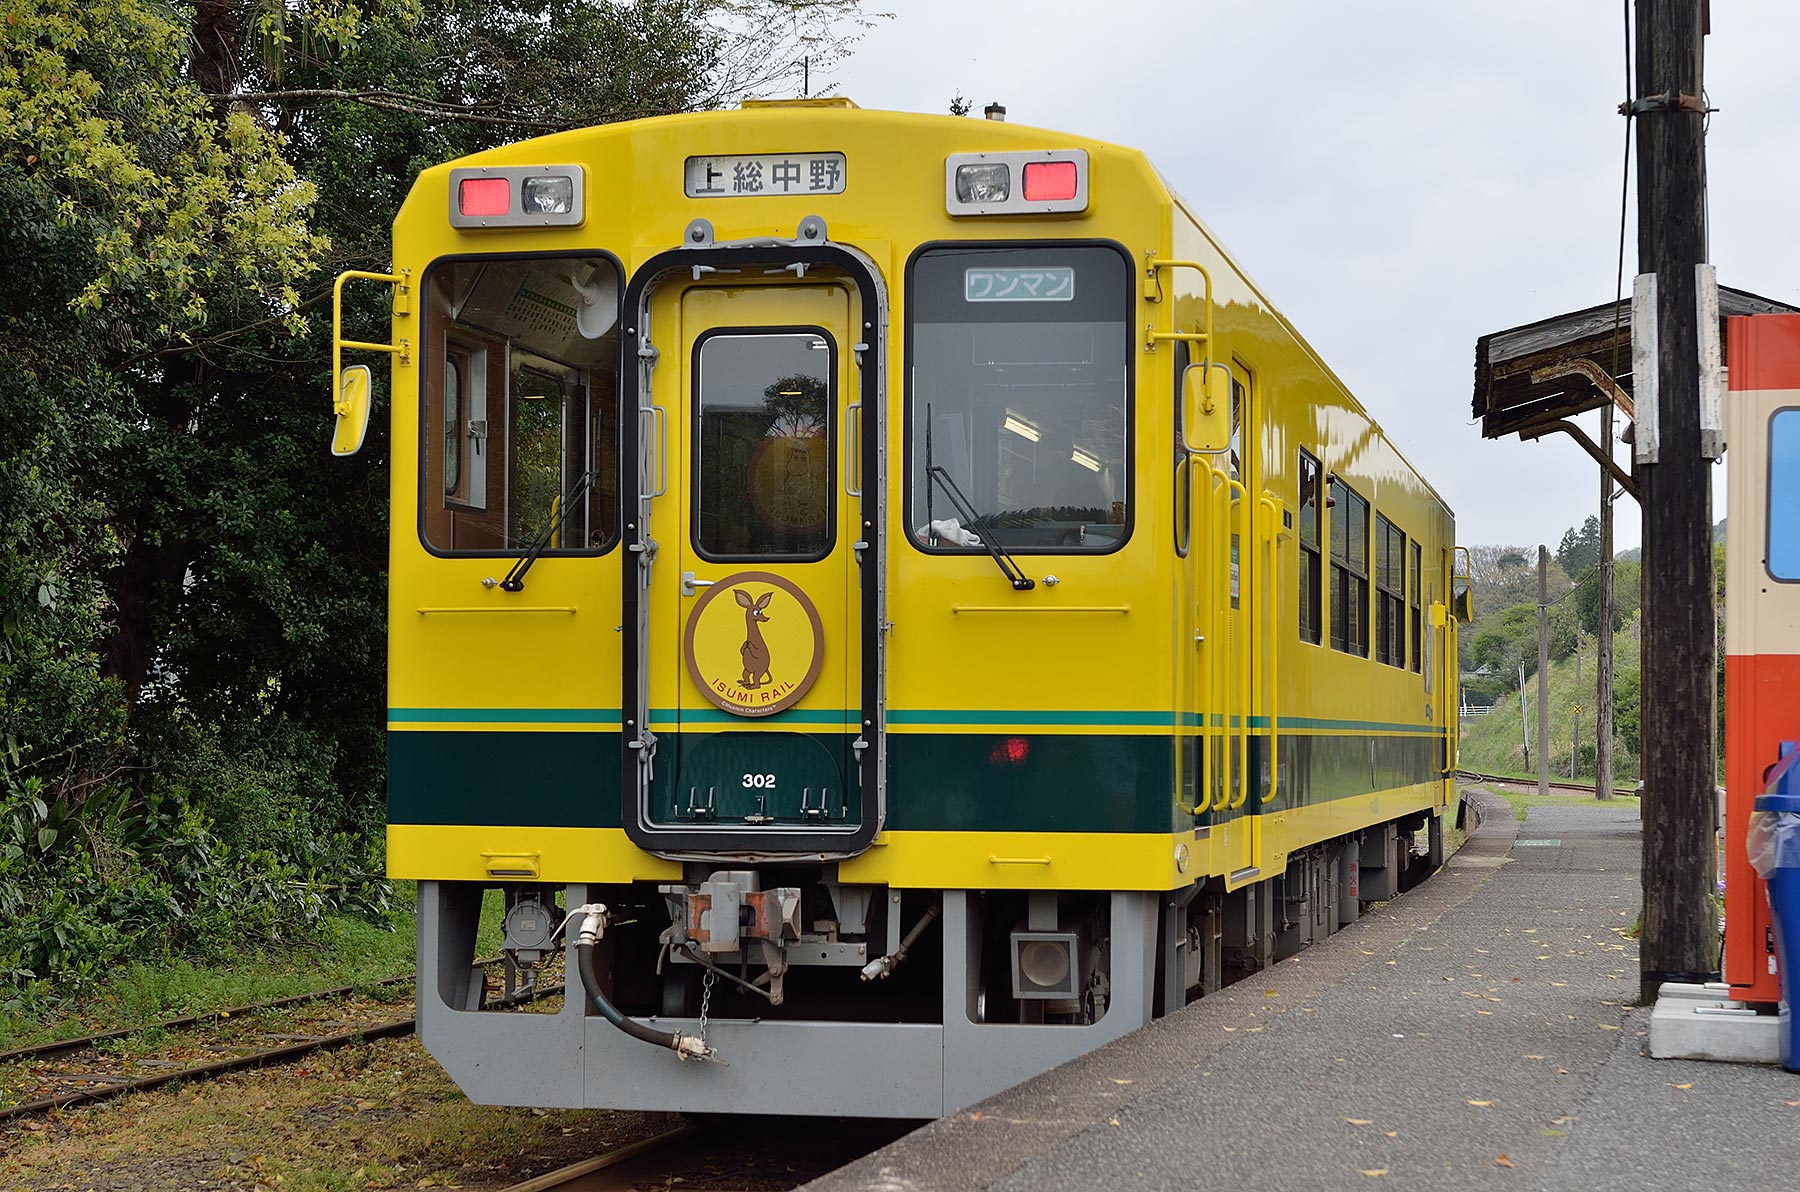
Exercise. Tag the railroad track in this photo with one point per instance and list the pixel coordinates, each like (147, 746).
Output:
(618, 1170)
(735, 1154)
(1471, 776)
(101, 1066)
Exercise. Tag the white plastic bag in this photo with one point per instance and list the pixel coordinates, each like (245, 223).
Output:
(949, 530)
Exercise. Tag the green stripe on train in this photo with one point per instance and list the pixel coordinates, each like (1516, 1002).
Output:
(1020, 782)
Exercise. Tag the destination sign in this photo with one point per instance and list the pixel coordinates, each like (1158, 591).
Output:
(1043, 283)
(765, 174)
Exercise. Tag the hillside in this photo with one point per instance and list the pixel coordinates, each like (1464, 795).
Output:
(1493, 743)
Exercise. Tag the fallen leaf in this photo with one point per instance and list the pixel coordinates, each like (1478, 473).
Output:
(1688, 1085)
(1359, 1121)
(1228, 1028)
(1117, 1080)
(976, 1116)
(1502, 1161)
(1607, 1026)
(1795, 1103)
(1483, 1104)
(1549, 1133)
(1390, 1133)
(1537, 1057)
(1270, 993)
(1377, 1171)
(1112, 1121)
(1489, 1013)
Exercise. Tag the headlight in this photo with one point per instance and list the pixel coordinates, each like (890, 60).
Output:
(983, 182)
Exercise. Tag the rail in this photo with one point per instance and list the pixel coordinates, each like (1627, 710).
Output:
(108, 1085)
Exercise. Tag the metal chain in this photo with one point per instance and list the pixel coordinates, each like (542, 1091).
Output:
(706, 987)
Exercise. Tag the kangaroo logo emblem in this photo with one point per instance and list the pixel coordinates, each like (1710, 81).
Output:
(755, 651)
(756, 664)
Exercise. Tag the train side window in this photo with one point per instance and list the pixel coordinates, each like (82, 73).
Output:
(1311, 625)
(465, 427)
(456, 367)
(1019, 373)
(1390, 593)
(1784, 495)
(1417, 608)
(1349, 570)
(519, 426)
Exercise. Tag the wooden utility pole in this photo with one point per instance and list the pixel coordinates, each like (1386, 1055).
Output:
(1543, 670)
(1603, 643)
(1679, 940)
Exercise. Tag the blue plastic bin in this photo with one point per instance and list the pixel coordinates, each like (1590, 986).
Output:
(1784, 905)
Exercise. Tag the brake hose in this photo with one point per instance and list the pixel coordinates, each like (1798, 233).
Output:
(688, 1047)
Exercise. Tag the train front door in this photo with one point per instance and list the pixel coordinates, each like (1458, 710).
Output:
(752, 634)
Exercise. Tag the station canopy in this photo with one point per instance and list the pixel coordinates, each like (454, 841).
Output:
(1533, 380)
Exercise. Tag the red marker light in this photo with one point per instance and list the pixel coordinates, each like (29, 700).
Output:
(1049, 181)
(1010, 751)
(485, 196)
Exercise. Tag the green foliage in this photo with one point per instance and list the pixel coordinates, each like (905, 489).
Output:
(1579, 550)
(1494, 743)
(191, 591)
(1627, 597)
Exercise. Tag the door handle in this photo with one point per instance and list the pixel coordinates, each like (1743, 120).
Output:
(689, 585)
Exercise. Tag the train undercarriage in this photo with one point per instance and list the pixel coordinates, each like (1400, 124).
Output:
(814, 997)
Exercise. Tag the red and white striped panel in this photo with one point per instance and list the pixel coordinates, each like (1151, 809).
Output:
(1762, 630)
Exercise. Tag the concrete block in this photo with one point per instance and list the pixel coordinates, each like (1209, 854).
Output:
(1695, 1022)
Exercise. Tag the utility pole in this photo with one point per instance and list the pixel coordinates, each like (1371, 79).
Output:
(1524, 722)
(1543, 683)
(1575, 734)
(1603, 633)
(1679, 940)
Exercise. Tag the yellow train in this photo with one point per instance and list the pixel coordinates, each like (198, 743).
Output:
(890, 595)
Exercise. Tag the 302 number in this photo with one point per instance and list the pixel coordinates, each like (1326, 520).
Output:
(761, 782)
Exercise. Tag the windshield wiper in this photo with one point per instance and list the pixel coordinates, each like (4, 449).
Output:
(515, 579)
(1002, 560)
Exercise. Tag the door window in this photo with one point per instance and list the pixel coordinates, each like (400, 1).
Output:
(764, 478)
(1784, 495)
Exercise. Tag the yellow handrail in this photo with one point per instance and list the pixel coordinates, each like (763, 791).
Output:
(339, 406)
(1271, 505)
(1210, 603)
(1234, 490)
(1153, 293)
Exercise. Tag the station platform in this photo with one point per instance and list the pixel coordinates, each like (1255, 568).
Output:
(1476, 1032)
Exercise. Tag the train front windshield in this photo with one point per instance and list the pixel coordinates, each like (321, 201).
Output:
(1020, 394)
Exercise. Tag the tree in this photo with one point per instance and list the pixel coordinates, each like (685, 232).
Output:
(191, 597)
(1627, 596)
(1579, 550)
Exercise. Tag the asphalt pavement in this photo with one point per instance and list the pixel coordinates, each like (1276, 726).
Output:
(1476, 1032)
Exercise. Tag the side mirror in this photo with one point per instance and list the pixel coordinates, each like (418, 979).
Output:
(1462, 605)
(352, 410)
(1205, 409)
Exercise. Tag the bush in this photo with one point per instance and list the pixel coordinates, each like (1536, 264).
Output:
(141, 876)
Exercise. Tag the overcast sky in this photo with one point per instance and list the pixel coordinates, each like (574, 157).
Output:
(1400, 177)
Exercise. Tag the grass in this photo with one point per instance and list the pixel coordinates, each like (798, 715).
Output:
(353, 952)
(1522, 803)
(378, 1116)
(1493, 743)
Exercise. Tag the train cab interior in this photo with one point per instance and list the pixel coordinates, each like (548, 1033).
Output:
(521, 427)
